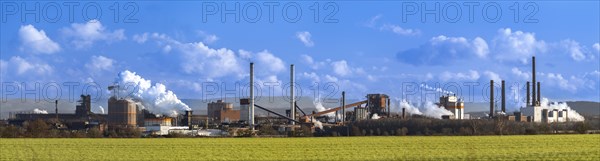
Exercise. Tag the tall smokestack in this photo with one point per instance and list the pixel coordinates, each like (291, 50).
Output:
(491, 98)
(533, 81)
(251, 112)
(293, 99)
(528, 95)
(539, 94)
(503, 98)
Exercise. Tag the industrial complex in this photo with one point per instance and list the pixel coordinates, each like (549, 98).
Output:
(125, 112)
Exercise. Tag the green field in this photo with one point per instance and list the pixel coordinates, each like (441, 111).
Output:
(538, 147)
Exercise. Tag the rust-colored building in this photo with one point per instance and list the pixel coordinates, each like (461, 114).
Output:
(122, 112)
(220, 112)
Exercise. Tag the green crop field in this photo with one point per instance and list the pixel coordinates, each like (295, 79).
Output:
(532, 147)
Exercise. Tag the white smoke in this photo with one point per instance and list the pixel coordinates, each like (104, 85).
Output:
(38, 111)
(375, 117)
(440, 90)
(100, 109)
(319, 106)
(155, 98)
(572, 115)
(410, 109)
(428, 109)
(317, 123)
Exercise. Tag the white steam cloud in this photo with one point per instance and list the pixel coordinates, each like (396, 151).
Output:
(155, 98)
(572, 115)
(38, 111)
(375, 116)
(428, 109)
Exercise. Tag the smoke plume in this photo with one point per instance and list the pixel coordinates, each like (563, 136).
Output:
(38, 111)
(155, 98)
(100, 109)
(428, 109)
(572, 115)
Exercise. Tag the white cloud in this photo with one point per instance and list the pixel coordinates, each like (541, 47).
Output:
(140, 38)
(518, 45)
(99, 63)
(208, 38)
(23, 66)
(399, 30)
(492, 76)
(85, 34)
(472, 75)
(311, 62)
(571, 84)
(198, 58)
(311, 76)
(36, 42)
(305, 37)
(373, 21)
(442, 50)
(341, 68)
(574, 49)
(596, 46)
(521, 74)
(273, 63)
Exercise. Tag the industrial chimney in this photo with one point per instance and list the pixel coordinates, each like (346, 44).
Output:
(292, 99)
(189, 119)
(534, 103)
(251, 112)
(503, 98)
(491, 98)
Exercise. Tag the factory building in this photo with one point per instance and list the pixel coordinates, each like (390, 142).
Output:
(122, 112)
(244, 109)
(83, 118)
(222, 112)
(454, 105)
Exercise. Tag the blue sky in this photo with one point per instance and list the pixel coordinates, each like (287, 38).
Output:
(362, 47)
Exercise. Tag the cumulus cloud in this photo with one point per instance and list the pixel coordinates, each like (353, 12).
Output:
(341, 68)
(576, 51)
(99, 63)
(492, 76)
(273, 63)
(570, 84)
(311, 62)
(596, 46)
(399, 30)
(305, 38)
(140, 38)
(208, 38)
(472, 75)
(83, 35)
(517, 45)
(520, 74)
(22, 66)
(35, 41)
(443, 50)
